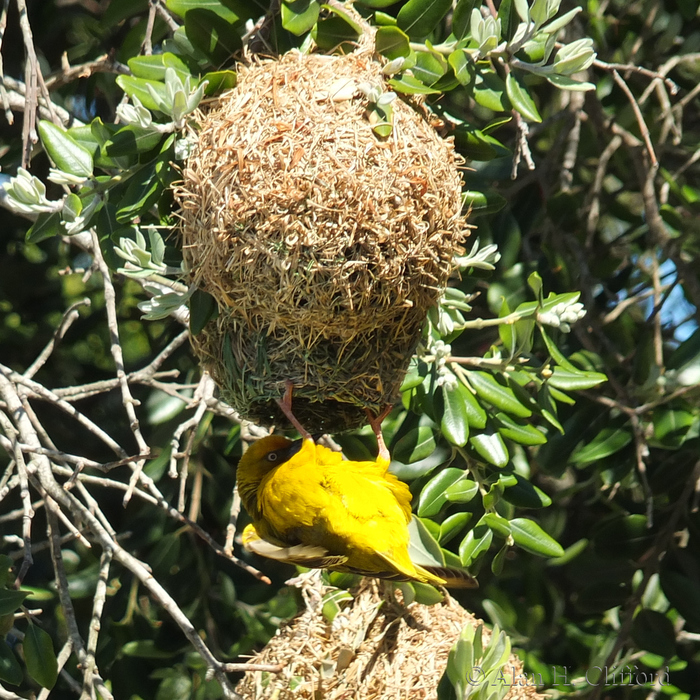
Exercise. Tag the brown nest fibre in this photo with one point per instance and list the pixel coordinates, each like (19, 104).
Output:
(375, 649)
(323, 244)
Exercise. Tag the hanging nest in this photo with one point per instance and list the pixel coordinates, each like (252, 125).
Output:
(375, 649)
(323, 244)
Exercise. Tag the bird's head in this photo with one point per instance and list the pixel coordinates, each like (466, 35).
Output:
(260, 459)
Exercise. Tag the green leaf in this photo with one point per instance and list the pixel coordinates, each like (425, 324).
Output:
(563, 82)
(219, 81)
(298, 17)
(153, 67)
(334, 32)
(423, 548)
(143, 191)
(66, 153)
(496, 394)
(684, 594)
(433, 497)
(607, 442)
(392, 42)
(491, 447)
(455, 422)
(452, 525)
(332, 603)
(182, 7)
(47, 225)
(11, 599)
(520, 97)
(203, 309)
(417, 444)
(575, 381)
(487, 202)
(132, 139)
(497, 523)
(146, 649)
(461, 18)
(671, 425)
(490, 91)
(10, 670)
(556, 354)
(136, 87)
(427, 594)
(476, 542)
(462, 491)
(429, 67)
(463, 66)
(476, 415)
(39, 656)
(418, 18)
(531, 537)
(407, 472)
(522, 433)
(214, 36)
(408, 85)
(654, 632)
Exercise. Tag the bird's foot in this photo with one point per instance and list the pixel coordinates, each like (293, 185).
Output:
(376, 424)
(285, 405)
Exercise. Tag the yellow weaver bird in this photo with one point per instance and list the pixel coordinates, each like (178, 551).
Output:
(310, 507)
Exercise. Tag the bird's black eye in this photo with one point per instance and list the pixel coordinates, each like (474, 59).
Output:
(272, 457)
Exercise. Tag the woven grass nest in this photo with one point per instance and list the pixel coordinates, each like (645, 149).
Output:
(375, 649)
(323, 244)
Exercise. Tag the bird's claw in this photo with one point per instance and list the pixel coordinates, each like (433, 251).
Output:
(285, 404)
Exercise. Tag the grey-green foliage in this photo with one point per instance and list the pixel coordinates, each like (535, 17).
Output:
(475, 671)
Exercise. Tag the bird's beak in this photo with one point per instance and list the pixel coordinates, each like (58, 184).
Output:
(293, 449)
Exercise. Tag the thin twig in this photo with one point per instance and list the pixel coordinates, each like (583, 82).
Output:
(640, 118)
(70, 315)
(127, 399)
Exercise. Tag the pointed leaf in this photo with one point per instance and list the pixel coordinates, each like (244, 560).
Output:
(418, 18)
(607, 442)
(423, 548)
(39, 656)
(575, 381)
(520, 97)
(491, 447)
(496, 394)
(451, 526)
(476, 541)
(416, 445)
(392, 42)
(10, 670)
(462, 491)
(153, 67)
(409, 85)
(519, 432)
(11, 599)
(47, 225)
(298, 17)
(531, 537)
(455, 423)
(64, 150)
(432, 497)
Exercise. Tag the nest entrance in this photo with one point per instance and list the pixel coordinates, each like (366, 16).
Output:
(322, 244)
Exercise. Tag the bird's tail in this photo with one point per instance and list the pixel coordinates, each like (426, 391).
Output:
(446, 576)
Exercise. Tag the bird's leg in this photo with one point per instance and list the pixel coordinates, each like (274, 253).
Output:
(285, 405)
(376, 423)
